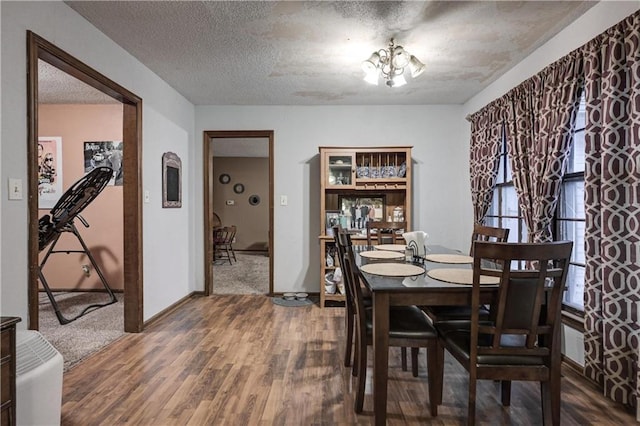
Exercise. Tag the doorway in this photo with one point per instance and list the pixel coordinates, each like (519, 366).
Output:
(251, 141)
(40, 49)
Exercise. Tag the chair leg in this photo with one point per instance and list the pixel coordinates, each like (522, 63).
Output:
(403, 358)
(506, 392)
(414, 361)
(432, 373)
(349, 331)
(228, 255)
(356, 351)
(362, 376)
(471, 416)
(550, 398)
(439, 372)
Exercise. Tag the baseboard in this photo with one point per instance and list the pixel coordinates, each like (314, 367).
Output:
(81, 290)
(169, 309)
(572, 365)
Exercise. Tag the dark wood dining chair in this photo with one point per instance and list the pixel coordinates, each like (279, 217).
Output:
(521, 338)
(349, 316)
(384, 232)
(223, 238)
(455, 313)
(408, 327)
(350, 310)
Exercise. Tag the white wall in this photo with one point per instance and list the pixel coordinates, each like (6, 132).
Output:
(442, 201)
(595, 21)
(168, 120)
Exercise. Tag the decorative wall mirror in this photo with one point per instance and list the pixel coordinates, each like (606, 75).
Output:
(171, 180)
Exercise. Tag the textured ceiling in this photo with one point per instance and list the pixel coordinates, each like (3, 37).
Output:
(309, 53)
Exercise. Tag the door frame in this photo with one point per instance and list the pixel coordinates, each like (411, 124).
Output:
(208, 197)
(39, 48)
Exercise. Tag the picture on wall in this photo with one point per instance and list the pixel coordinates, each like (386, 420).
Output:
(49, 171)
(360, 210)
(104, 153)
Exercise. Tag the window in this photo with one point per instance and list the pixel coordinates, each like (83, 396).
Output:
(505, 211)
(570, 216)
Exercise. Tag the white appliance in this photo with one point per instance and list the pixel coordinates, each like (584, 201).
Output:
(38, 380)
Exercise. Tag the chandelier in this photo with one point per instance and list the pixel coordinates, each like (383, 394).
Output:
(390, 65)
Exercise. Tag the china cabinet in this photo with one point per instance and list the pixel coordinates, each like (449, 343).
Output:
(357, 185)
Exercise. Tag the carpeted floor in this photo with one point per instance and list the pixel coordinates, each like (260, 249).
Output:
(87, 334)
(249, 275)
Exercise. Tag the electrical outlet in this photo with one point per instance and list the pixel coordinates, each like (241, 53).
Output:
(87, 270)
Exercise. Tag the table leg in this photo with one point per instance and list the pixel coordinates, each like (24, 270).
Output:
(380, 356)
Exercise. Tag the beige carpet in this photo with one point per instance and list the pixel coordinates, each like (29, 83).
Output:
(87, 334)
(249, 275)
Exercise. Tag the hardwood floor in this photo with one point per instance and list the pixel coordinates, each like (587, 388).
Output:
(241, 360)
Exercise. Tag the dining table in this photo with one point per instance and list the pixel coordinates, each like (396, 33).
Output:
(421, 290)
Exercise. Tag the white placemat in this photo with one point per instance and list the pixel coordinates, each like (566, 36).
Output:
(449, 258)
(390, 247)
(392, 269)
(382, 254)
(460, 276)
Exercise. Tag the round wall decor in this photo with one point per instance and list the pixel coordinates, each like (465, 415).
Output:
(224, 178)
(254, 200)
(238, 188)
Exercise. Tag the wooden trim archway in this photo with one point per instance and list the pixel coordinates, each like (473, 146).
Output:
(39, 48)
(208, 196)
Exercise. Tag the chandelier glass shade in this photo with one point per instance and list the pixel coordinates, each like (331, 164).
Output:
(390, 64)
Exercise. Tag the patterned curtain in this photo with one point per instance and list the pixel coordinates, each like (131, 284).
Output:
(523, 102)
(486, 134)
(540, 126)
(612, 207)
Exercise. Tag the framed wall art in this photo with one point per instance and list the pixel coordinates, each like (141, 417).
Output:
(49, 171)
(104, 153)
(171, 180)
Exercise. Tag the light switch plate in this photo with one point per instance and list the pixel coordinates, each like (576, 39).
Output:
(231, 202)
(147, 197)
(284, 200)
(15, 189)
